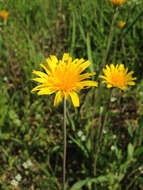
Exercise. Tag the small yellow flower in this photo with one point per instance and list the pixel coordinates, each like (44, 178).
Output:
(3, 14)
(117, 2)
(117, 76)
(121, 24)
(65, 77)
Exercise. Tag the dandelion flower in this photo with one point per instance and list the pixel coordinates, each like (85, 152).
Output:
(3, 14)
(117, 76)
(65, 77)
(121, 24)
(117, 2)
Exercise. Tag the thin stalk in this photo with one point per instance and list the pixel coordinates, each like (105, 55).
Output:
(109, 38)
(73, 34)
(65, 146)
(59, 15)
(100, 135)
(89, 52)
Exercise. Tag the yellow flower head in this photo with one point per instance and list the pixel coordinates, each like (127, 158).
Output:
(64, 77)
(117, 2)
(121, 24)
(3, 14)
(117, 76)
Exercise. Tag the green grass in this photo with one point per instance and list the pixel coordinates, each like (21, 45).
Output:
(31, 128)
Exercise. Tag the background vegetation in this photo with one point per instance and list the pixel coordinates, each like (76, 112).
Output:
(105, 134)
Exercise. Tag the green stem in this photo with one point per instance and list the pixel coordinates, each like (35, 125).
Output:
(109, 38)
(65, 146)
(73, 34)
(89, 52)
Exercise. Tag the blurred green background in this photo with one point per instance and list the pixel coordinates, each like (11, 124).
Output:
(31, 128)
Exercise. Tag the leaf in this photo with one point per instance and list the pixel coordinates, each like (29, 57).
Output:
(89, 181)
(78, 185)
(138, 151)
(78, 143)
(14, 117)
(130, 151)
(130, 128)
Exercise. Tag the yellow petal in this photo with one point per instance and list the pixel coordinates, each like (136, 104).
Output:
(86, 75)
(123, 88)
(46, 67)
(80, 61)
(41, 80)
(65, 57)
(117, 66)
(40, 74)
(46, 91)
(54, 59)
(38, 87)
(108, 68)
(109, 86)
(52, 63)
(58, 98)
(75, 61)
(83, 66)
(102, 76)
(131, 83)
(89, 83)
(49, 62)
(75, 98)
(106, 72)
(126, 70)
(121, 67)
(112, 68)
(130, 73)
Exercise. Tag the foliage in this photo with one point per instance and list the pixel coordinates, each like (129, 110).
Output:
(105, 141)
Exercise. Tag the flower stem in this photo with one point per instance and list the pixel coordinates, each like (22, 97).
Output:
(109, 38)
(65, 146)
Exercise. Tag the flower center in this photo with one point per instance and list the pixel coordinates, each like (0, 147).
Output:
(66, 78)
(118, 79)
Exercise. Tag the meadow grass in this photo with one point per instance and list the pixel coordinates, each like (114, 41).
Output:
(105, 134)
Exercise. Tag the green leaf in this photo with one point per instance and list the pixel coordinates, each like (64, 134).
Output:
(138, 151)
(130, 128)
(130, 151)
(78, 185)
(89, 181)
(78, 143)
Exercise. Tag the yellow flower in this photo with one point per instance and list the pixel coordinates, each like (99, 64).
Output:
(121, 24)
(3, 14)
(117, 2)
(64, 77)
(117, 76)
